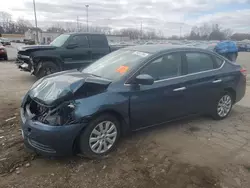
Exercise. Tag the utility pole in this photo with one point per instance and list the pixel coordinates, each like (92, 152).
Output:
(87, 9)
(141, 29)
(34, 4)
(180, 31)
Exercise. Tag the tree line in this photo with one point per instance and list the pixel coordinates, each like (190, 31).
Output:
(213, 32)
(203, 32)
(8, 26)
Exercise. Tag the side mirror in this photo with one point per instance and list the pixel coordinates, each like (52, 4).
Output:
(72, 45)
(144, 79)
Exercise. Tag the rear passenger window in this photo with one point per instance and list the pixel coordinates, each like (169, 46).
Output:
(98, 41)
(81, 40)
(197, 62)
(219, 62)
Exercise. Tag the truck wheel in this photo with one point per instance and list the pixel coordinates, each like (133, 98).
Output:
(6, 58)
(47, 68)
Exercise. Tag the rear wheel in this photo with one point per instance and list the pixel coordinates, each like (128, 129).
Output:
(47, 69)
(100, 136)
(223, 106)
(6, 58)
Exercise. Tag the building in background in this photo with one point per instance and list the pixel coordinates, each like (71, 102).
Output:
(43, 37)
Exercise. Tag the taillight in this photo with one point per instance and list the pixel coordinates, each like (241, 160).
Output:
(243, 71)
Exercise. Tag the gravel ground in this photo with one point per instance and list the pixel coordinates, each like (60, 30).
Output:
(192, 153)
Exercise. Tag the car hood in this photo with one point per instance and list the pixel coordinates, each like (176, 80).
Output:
(36, 47)
(62, 86)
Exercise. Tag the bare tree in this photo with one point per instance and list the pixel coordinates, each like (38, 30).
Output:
(204, 31)
(23, 25)
(228, 33)
(5, 20)
(56, 28)
(240, 36)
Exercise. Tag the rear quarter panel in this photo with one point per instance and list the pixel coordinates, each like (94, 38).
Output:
(233, 79)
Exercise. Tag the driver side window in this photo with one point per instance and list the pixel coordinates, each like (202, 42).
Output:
(167, 66)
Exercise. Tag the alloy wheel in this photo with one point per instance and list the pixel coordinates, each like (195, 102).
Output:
(224, 105)
(103, 137)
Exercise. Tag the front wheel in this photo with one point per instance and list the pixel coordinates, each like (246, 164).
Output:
(47, 69)
(100, 136)
(223, 106)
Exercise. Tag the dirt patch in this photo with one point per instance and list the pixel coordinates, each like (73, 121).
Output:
(129, 167)
(247, 167)
(12, 152)
(194, 129)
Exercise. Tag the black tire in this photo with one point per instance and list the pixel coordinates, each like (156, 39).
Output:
(6, 58)
(84, 140)
(47, 68)
(215, 114)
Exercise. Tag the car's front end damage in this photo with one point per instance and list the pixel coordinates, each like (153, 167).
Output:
(47, 131)
(24, 60)
(51, 119)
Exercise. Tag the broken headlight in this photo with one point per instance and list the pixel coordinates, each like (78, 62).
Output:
(62, 115)
(55, 116)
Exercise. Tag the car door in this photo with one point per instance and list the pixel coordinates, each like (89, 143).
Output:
(165, 99)
(99, 46)
(78, 53)
(203, 81)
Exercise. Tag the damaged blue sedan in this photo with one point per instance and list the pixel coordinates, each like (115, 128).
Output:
(87, 111)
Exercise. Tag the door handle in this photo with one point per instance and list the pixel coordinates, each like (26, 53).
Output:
(217, 81)
(180, 89)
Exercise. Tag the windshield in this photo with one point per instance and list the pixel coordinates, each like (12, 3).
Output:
(60, 40)
(116, 64)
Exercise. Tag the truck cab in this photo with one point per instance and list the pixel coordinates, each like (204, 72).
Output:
(67, 51)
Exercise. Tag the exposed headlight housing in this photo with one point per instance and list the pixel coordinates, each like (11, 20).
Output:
(54, 116)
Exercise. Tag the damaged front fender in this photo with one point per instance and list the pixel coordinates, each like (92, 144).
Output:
(87, 108)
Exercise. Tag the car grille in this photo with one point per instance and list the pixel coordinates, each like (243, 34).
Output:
(40, 146)
(21, 59)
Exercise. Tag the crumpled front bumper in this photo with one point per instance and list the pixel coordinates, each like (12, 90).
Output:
(49, 140)
(23, 63)
(24, 67)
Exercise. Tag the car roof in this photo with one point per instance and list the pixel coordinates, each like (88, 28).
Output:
(155, 48)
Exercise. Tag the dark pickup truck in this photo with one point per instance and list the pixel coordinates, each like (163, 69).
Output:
(67, 51)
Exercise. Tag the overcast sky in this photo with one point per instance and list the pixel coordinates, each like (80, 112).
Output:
(164, 15)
